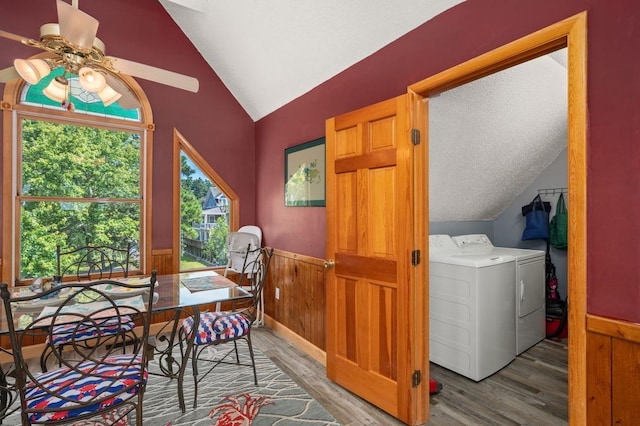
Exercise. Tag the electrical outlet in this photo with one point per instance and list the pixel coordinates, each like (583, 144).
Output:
(277, 293)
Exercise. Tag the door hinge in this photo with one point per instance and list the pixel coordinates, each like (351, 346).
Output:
(415, 136)
(416, 378)
(415, 257)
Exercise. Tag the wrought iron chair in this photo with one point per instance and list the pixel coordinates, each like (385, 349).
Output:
(93, 262)
(219, 328)
(95, 378)
(89, 263)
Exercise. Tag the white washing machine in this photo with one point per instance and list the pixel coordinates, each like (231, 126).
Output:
(471, 310)
(530, 286)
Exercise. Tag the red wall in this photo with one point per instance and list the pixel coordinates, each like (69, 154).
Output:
(216, 125)
(211, 120)
(468, 30)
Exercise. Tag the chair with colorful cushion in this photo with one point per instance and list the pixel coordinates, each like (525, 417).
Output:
(91, 262)
(123, 328)
(227, 327)
(97, 378)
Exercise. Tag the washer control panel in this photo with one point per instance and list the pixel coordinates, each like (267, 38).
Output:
(472, 241)
(442, 244)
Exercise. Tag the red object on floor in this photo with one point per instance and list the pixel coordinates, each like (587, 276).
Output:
(434, 386)
(552, 327)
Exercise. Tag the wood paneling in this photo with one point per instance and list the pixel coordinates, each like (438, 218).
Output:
(301, 306)
(613, 365)
(162, 261)
(599, 379)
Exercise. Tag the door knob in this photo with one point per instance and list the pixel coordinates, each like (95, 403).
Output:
(329, 264)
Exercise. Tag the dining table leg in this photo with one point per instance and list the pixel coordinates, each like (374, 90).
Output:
(169, 338)
(185, 355)
(7, 391)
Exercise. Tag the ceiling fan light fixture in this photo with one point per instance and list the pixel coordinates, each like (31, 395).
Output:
(32, 70)
(108, 95)
(57, 90)
(91, 80)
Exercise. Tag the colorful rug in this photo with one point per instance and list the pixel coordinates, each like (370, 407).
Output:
(228, 397)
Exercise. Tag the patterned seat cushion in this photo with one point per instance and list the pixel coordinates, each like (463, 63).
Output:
(65, 333)
(101, 386)
(227, 326)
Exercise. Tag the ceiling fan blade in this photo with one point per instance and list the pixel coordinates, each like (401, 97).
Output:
(12, 36)
(8, 74)
(78, 28)
(158, 75)
(128, 99)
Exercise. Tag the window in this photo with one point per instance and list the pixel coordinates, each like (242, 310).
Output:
(79, 179)
(207, 211)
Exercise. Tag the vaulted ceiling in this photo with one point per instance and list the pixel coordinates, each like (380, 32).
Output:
(489, 139)
(268, 53)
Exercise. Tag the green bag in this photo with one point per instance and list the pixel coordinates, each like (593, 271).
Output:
(558, 225)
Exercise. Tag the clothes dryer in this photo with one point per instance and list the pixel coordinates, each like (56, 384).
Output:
(471, 310)
(530, 294)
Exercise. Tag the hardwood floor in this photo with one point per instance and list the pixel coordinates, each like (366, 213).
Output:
(532, 390)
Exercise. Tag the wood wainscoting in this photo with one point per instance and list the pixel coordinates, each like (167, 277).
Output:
(613, 371)
(298, 314)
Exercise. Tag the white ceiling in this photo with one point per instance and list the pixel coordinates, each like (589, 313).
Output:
(268, 53)
(489, 139)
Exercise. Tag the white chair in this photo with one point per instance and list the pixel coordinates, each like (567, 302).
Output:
(252, 229)
(237, 245)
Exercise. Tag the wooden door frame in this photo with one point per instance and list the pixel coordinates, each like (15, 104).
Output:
(570, 33)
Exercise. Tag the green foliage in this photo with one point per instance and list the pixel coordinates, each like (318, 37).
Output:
(199, 187)
(216, 245)
(192, 193)
(190, 213)
(189, 262)
(65, 168)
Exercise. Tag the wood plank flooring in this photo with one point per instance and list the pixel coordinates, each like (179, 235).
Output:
(532, 390)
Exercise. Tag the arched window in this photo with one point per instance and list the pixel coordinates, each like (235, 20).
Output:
(73, 176)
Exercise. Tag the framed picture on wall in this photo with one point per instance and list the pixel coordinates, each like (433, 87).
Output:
(304, 174)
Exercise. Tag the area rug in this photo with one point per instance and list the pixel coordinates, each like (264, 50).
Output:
(228, 397)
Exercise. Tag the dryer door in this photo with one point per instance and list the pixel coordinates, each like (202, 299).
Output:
(530, 292)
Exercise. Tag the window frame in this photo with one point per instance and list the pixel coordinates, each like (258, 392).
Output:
(13, 112)
(180, 144)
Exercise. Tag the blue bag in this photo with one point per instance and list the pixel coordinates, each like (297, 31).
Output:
(536, 220)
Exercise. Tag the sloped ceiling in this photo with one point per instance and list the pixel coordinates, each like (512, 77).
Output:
(489, 139)
(268, 53)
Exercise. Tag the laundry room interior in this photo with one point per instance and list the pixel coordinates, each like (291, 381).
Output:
(494, 145)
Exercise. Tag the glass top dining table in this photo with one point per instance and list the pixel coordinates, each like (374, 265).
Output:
(176, 293)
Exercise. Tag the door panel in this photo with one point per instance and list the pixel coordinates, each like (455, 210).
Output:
(381, 236)
(371, 342)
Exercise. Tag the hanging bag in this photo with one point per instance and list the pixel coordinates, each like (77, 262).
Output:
(536, 216)
(558, 225)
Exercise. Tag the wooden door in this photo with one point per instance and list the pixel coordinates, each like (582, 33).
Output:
(376, 314)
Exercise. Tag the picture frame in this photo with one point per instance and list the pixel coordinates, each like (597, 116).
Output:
(305, 174)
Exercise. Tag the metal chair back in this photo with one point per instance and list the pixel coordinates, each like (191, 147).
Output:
(93, 262)
(99, 374)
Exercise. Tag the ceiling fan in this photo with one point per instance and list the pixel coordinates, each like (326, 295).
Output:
(75, 47)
